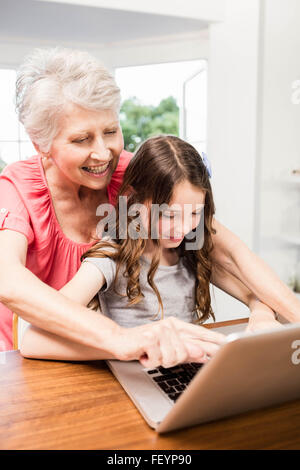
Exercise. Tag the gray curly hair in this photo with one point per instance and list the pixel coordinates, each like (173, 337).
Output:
(49, 79)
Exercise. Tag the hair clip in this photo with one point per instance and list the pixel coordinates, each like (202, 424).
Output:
(206, 163)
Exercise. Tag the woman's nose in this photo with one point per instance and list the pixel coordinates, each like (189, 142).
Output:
(100, 151)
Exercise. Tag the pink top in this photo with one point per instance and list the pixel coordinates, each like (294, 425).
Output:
(26, 207)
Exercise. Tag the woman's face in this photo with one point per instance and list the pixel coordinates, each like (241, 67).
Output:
(87, 147)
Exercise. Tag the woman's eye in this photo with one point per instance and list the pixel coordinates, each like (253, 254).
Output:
(110, 132)
(79, 141)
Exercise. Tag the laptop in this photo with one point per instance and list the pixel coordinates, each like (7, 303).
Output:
(249, 371)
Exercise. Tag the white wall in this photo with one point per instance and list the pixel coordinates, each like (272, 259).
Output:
(280, 141)
(161, 50)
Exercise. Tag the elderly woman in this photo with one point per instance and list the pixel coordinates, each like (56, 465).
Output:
(69, 106)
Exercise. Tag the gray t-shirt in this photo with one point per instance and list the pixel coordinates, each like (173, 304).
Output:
(175, 284)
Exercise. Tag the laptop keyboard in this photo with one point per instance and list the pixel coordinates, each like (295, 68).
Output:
(174, 380)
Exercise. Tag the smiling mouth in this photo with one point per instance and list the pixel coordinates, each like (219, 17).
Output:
(96, 170)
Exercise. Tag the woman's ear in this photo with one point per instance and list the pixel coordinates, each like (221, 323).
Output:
(39, 151)
(37, 148)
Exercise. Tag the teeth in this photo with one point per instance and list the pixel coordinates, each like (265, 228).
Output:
(96, 169)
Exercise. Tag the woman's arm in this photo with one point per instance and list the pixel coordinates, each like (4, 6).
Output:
(37, 303)
(261, 316)
(233, 255)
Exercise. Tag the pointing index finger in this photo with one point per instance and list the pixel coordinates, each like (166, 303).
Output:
(205, 334)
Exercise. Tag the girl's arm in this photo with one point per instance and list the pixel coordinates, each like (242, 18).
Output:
(261, 316)
(45, 345)
(85, 284)
(236, 258)
(41, 344)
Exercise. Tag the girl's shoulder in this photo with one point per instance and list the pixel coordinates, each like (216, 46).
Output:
(104, 248)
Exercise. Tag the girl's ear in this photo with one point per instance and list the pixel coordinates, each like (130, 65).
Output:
(147, 203)
(129, 191)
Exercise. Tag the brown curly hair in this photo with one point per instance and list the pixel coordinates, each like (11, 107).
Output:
(166, 160)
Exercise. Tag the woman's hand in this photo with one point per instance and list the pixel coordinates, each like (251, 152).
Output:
(261, 317)
(257, 324)
(167, 343)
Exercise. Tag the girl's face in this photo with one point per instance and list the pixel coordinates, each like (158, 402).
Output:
(182, 215)
(87, 148)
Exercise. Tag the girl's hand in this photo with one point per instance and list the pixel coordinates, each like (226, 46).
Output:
(167, 343)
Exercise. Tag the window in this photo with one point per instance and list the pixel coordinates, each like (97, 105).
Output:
(164, 98)
(194, 109)
(14, 142)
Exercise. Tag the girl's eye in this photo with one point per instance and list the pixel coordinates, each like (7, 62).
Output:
(110, 132)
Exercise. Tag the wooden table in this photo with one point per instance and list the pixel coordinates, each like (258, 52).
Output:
(80, 405)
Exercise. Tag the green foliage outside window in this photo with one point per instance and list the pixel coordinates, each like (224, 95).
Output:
(2, 165)
(139, 121)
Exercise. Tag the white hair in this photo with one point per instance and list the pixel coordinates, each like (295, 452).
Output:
(49, 79)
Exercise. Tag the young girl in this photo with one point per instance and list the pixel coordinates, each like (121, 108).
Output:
(146, 274)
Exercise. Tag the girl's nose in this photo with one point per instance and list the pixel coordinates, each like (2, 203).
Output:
(187, 225)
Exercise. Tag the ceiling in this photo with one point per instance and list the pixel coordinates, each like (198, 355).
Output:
(30, 19)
